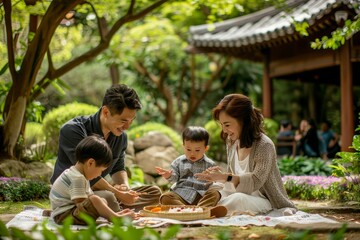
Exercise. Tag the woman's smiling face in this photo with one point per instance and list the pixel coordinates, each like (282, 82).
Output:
(230, 126)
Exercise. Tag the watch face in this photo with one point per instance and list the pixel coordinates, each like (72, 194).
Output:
(229, 178)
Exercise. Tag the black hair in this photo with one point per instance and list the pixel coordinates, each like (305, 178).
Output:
(196, 134)
(120, 96)
(94, 147)
(285, 123)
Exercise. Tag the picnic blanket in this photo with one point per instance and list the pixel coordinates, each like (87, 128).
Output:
(32, 216)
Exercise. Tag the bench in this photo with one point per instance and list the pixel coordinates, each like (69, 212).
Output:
(286, 146)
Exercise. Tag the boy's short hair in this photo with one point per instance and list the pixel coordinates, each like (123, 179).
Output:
(95, 147)
(196, 134)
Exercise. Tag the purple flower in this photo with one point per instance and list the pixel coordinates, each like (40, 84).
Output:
(7, 179)
(323, 181)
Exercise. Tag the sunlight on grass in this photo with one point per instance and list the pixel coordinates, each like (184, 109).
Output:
(16, 207)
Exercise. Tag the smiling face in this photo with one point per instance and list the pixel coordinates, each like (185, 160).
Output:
(116, 123)
(230, 126)
(194, 151)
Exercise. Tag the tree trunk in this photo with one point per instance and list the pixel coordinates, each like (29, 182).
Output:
(24, 79)
(13, 121)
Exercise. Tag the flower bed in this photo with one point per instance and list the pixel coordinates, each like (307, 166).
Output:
(320, 187)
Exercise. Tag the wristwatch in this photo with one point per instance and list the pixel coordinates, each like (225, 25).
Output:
(229, 178)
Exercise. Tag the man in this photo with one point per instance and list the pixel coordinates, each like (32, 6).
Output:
(118, 110)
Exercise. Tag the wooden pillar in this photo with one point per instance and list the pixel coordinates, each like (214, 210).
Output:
(267, 87)
(347, 107)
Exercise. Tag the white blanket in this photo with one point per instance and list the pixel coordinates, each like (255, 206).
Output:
(32, 216)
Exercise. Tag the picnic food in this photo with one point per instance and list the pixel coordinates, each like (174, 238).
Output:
(179, 212)
(185, 209)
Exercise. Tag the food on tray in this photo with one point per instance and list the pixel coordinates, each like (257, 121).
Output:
(156, 209)
(185, 210)
(179, 212)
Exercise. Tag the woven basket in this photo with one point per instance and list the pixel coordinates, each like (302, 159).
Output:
(146, 212)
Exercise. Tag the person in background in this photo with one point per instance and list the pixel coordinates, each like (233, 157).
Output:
(71, 195)
(188, 190)
(330, 138)
(252, 180)
(115, 116)
(310, 143)
(286, 144)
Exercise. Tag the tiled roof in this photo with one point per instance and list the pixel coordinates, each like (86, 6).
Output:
(262, 26)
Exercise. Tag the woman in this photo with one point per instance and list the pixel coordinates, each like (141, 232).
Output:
(252, 182)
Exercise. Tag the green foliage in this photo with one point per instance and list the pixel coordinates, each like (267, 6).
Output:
(55, 118)
(16, 190)
(301, 165)
(347, 165)
(307, 191)
(136, 176)
(142, 130)
(121, 228)
(33, 133)
(34, 111)
(271, 128)
(338, 37)
(217, 150)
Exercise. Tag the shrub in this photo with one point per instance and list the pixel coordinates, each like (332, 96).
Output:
(55, 118)
(321, 188)
(33, 133)
(301, 165)
(271, 128)
(142, 130)
(217, 150)
(17, 189)
(347, 165)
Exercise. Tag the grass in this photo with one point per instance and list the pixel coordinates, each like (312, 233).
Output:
(7, 207)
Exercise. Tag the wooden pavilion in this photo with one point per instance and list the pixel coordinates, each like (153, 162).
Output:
(269, 36)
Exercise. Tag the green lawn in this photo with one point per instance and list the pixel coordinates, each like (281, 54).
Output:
(7, 207)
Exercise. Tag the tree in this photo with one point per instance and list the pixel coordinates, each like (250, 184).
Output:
(26, 85)
(32, 24)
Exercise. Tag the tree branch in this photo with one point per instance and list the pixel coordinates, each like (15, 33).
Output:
(10, 43)
(131, 8)
(101, 46)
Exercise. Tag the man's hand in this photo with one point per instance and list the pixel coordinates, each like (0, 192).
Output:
(163, 172)
(122, 187)
(127, 197)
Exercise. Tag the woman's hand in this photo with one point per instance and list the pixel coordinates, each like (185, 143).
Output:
(212, 174)
(163, 172)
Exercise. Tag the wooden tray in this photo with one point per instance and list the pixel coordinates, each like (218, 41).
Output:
(182, 216)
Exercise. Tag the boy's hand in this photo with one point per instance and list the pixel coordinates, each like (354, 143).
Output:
(163, 172)
(128, 213)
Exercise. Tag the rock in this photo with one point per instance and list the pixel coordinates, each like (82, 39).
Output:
(155, 156)
(152, 139)
(34, 170)
(130, 148)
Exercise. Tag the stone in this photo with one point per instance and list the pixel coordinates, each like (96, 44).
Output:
(155, 156)
(34, 170)
(152, 139)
